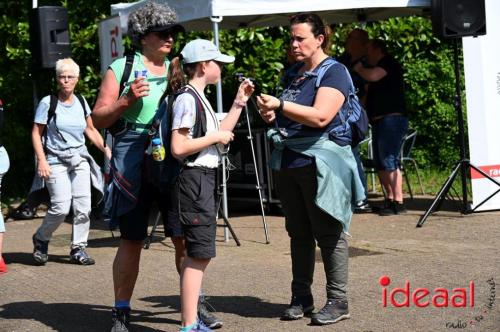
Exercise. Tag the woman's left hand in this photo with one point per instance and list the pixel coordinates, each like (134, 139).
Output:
(244, 91)
(267, 104)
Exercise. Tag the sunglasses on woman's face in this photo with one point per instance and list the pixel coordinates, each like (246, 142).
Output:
(166, 34)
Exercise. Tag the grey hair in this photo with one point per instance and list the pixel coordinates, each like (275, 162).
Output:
(149, 16)
(67, 64)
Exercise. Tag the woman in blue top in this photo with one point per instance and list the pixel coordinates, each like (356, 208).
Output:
(64, 163)
(306, 111)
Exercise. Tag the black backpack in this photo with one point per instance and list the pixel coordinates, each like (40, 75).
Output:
(165, 171)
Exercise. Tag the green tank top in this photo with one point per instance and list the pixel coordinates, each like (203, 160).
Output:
(144, 109)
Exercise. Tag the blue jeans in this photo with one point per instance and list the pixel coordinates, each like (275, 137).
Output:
(4, 167)
(388, 134)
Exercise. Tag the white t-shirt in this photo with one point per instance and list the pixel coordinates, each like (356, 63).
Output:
(184, 116)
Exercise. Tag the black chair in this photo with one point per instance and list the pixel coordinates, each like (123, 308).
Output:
(406, 159)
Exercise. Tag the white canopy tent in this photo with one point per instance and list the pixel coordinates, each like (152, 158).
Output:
(202, 15)
(196, 14)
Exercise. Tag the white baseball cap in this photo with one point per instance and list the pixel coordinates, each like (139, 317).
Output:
(203, 50)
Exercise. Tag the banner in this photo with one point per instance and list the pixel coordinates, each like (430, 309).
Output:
(482, 83)
(110, 41)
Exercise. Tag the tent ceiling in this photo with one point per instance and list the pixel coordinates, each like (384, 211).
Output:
(195, 14)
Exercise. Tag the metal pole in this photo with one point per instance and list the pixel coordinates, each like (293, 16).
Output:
(461, 131)
(34, 5)
(215, 21)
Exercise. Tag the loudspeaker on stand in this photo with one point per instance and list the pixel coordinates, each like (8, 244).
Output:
(49, 35)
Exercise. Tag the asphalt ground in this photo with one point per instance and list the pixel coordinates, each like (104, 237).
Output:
(249, 285)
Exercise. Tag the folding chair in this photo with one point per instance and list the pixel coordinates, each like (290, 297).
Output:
(405, 157)
(368, 163)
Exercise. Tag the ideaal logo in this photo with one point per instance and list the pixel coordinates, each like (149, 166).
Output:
(423, 297)
(439, 298)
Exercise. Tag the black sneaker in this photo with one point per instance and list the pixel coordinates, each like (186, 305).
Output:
(299, 306)
(80, 256)
(40, 250)
(388, 209)
(399, 207)
(205, 314)
(332, 312)
(362, 207)
(120, 319)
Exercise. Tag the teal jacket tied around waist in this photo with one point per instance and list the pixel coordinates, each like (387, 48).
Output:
(339, 185)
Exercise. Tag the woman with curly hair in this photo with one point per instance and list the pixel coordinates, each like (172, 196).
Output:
(128, 111)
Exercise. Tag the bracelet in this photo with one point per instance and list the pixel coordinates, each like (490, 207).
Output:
(280, 107)
(239, 103)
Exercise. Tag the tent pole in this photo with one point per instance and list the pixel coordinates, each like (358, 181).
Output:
(215, 21)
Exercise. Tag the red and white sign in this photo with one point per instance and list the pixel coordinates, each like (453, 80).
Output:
(110, 41)
(493, 171)
(482, 82)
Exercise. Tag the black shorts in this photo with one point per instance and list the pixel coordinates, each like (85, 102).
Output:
(197, 203)
(134, 224)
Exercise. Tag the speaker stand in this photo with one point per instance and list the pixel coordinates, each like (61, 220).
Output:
(463, 166)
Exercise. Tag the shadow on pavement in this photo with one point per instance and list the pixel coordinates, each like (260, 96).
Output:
(102, 242)
(25, 258)
(248, 306)
(418, 203)
(62, 317)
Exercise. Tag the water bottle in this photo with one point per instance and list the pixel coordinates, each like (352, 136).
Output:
(157, 149)
(141, 73)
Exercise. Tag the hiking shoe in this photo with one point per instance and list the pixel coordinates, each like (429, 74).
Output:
(299, 306)
(399, 208)
(121, 319)
(80, 256)
(201, 327)
(388, 209)
(205, 314)
(3, 266)
(332, 312)
(362, 207)
(40, 250)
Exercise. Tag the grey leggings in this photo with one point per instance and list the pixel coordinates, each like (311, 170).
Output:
(307, 224)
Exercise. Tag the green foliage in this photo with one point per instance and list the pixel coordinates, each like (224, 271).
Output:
(260, 53)
(430, 83)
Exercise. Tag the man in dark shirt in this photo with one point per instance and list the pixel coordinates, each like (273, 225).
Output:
(387, 113)
(355, 52)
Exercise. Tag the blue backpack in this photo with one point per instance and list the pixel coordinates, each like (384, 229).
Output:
(351, 118)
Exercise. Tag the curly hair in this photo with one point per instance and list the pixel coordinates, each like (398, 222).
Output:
(152, 15)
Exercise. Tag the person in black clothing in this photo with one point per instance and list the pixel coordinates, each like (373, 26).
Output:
(355, 51)
(387, 113)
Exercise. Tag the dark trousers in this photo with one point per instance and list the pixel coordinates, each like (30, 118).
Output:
(307, 225)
